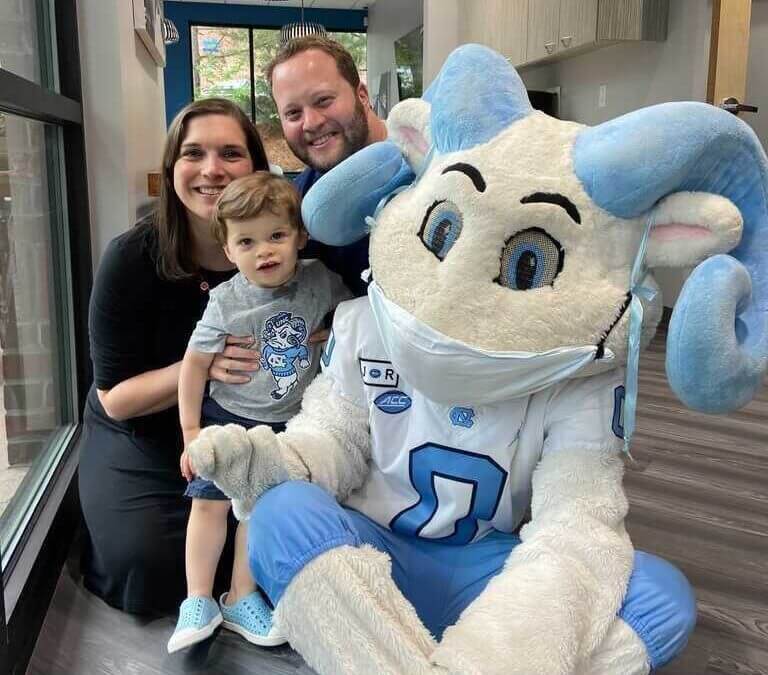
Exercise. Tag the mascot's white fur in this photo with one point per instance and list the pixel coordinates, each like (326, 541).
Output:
(502, 281)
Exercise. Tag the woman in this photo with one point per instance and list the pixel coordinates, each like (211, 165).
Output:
(150, 290)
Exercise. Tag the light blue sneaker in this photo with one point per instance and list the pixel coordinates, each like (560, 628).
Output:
(198, 618)
(251, 617)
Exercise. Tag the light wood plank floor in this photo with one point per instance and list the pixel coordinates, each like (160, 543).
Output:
(699, 497)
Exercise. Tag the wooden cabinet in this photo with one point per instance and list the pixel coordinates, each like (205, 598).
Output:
(578, 23)
(620, 20)
(543, 25)
(529, 31)
(558, 25)
(499, 24)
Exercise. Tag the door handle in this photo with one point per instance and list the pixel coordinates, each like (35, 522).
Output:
(732, 105)
(566, 40)
(550, 47)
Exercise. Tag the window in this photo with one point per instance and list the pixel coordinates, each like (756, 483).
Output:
(45, 275)
(25, 47)
(230, 62)
(37, 407)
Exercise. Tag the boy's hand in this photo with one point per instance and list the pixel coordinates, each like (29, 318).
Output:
(187, 470)
(238, 358)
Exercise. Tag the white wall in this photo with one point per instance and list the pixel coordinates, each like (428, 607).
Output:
(124, 108)
(389, 20)
(441, 35)
(757, 80)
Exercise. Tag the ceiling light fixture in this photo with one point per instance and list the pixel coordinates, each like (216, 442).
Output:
(292, 31)
(169, 32)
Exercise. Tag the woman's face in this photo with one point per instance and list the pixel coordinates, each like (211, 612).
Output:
(213, 153)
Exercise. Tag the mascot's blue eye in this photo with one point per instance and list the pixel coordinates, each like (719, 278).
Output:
(531, 259)
(441, 228)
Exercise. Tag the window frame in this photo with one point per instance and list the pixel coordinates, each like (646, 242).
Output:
(34, 564)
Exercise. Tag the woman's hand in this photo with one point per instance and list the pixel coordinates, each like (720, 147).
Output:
(237, 359)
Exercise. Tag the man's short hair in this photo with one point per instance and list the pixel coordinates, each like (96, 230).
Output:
(344, 61)
(251, 195)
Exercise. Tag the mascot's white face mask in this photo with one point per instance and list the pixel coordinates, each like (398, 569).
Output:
(450, 371)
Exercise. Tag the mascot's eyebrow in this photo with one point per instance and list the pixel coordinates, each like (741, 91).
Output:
(554, 198)
(474, 175)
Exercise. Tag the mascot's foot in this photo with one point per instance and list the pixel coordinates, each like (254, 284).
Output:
(344, 614)
(622, 652)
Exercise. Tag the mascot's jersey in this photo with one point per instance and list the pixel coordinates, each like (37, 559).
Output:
(454, 472)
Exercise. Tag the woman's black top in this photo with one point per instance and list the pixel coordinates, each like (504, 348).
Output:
(130, 484)
(140, 322)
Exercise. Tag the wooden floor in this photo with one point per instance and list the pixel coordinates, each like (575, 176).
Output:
(699, 494)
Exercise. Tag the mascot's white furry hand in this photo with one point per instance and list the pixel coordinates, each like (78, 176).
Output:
(243, 464)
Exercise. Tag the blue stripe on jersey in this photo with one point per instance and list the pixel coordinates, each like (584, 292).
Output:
(328, 351)
(618, 411)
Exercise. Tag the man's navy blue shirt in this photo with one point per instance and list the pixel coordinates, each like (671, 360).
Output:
(347, 261)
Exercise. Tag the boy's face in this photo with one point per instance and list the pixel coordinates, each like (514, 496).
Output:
(265, 248)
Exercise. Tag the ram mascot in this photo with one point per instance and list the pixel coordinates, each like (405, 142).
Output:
(449, 499)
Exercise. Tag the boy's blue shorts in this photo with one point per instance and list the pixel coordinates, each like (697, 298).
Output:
(213, 414)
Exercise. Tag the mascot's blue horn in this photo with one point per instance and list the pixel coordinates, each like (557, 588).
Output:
(717, 346)
(334, 210)
(476, 95)
(336, 206)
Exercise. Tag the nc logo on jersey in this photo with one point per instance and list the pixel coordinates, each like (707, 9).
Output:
(393, 402)
(379, 373)
(462, 417)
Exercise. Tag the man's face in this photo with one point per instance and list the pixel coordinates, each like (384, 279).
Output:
(323, 116)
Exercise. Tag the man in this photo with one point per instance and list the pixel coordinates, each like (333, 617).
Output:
(326, 115)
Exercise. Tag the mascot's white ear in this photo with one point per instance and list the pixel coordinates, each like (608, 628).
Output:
(408, 129)
(691, 226)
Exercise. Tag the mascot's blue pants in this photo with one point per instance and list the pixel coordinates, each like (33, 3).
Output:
(297, 521)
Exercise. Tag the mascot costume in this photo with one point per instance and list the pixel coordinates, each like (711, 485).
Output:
(449, 499)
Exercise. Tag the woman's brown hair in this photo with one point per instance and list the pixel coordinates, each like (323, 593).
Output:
(174, 260)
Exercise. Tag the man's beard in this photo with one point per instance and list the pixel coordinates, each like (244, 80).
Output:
(354, 137)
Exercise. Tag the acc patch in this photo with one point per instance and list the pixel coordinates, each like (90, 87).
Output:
(378, 373)
(393, 402)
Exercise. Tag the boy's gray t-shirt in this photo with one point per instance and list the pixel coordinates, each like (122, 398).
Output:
(281, 319)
